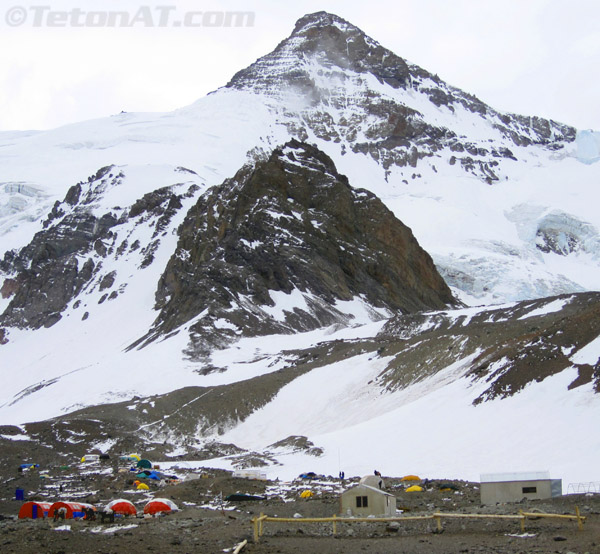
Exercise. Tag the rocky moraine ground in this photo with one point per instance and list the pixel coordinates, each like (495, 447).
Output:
(207, 522)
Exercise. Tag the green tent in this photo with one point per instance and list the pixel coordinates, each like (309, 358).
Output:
(144, 464)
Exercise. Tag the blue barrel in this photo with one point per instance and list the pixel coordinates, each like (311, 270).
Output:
(19, 494)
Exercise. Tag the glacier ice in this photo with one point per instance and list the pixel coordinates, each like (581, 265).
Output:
(588, 146)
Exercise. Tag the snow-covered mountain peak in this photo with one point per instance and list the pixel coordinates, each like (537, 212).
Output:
(330, 66)
(321, 42)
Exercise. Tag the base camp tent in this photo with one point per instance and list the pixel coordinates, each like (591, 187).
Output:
(149, 474)
(89, 458)
(157, 505)
(74, 509)
(135, 458)
(122, 506)
(34, 510)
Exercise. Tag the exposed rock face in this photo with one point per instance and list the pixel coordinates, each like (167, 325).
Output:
(66, 257)
(507, 348)
(339, 45)
(291, 230)
(351, 90)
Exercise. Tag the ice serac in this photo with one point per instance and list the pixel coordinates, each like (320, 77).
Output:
(588, 146)
(283, 245)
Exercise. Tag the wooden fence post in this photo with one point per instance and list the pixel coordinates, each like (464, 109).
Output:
(579, 520)
(334, 524)
(255, 526)
(439, 523)
(522, 521)
(261, 519)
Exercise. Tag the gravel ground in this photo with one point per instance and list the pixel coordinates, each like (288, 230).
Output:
(206, 524)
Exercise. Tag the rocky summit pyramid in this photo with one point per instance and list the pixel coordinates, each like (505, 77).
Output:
(301, 262)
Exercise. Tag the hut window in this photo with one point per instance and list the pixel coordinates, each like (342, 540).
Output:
(529, 489)
(362, 501)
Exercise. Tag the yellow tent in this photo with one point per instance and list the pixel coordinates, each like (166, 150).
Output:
(414, 488)
(306, 494)
(410, 478)
(143, 487)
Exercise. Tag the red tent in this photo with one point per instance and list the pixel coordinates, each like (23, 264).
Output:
(34, 510)
(74, 509)
(121, 506)
(157, 505)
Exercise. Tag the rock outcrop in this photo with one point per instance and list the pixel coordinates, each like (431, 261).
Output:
(79, 237)
(282, 245)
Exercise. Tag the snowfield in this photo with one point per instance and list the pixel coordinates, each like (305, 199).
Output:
(430, 429)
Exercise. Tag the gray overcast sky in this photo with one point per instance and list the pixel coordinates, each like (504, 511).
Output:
(536, 57)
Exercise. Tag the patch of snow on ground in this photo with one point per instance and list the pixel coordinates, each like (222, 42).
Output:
(554, 306)
(589, 354)
(115, 529)
(16, 437)
(285, 303)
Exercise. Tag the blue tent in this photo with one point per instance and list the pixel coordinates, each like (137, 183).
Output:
(149, 475)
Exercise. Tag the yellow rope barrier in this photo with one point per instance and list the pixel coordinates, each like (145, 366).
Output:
(258, 522)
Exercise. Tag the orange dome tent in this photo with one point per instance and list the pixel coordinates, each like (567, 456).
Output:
(122, 506)
(158, 505)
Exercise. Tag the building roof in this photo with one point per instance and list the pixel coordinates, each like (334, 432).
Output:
(515, 476)
(370, 489)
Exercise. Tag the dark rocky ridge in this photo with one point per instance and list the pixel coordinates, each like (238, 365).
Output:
(289, 223)
(48, 273)
(323, 45)
(512, 349)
